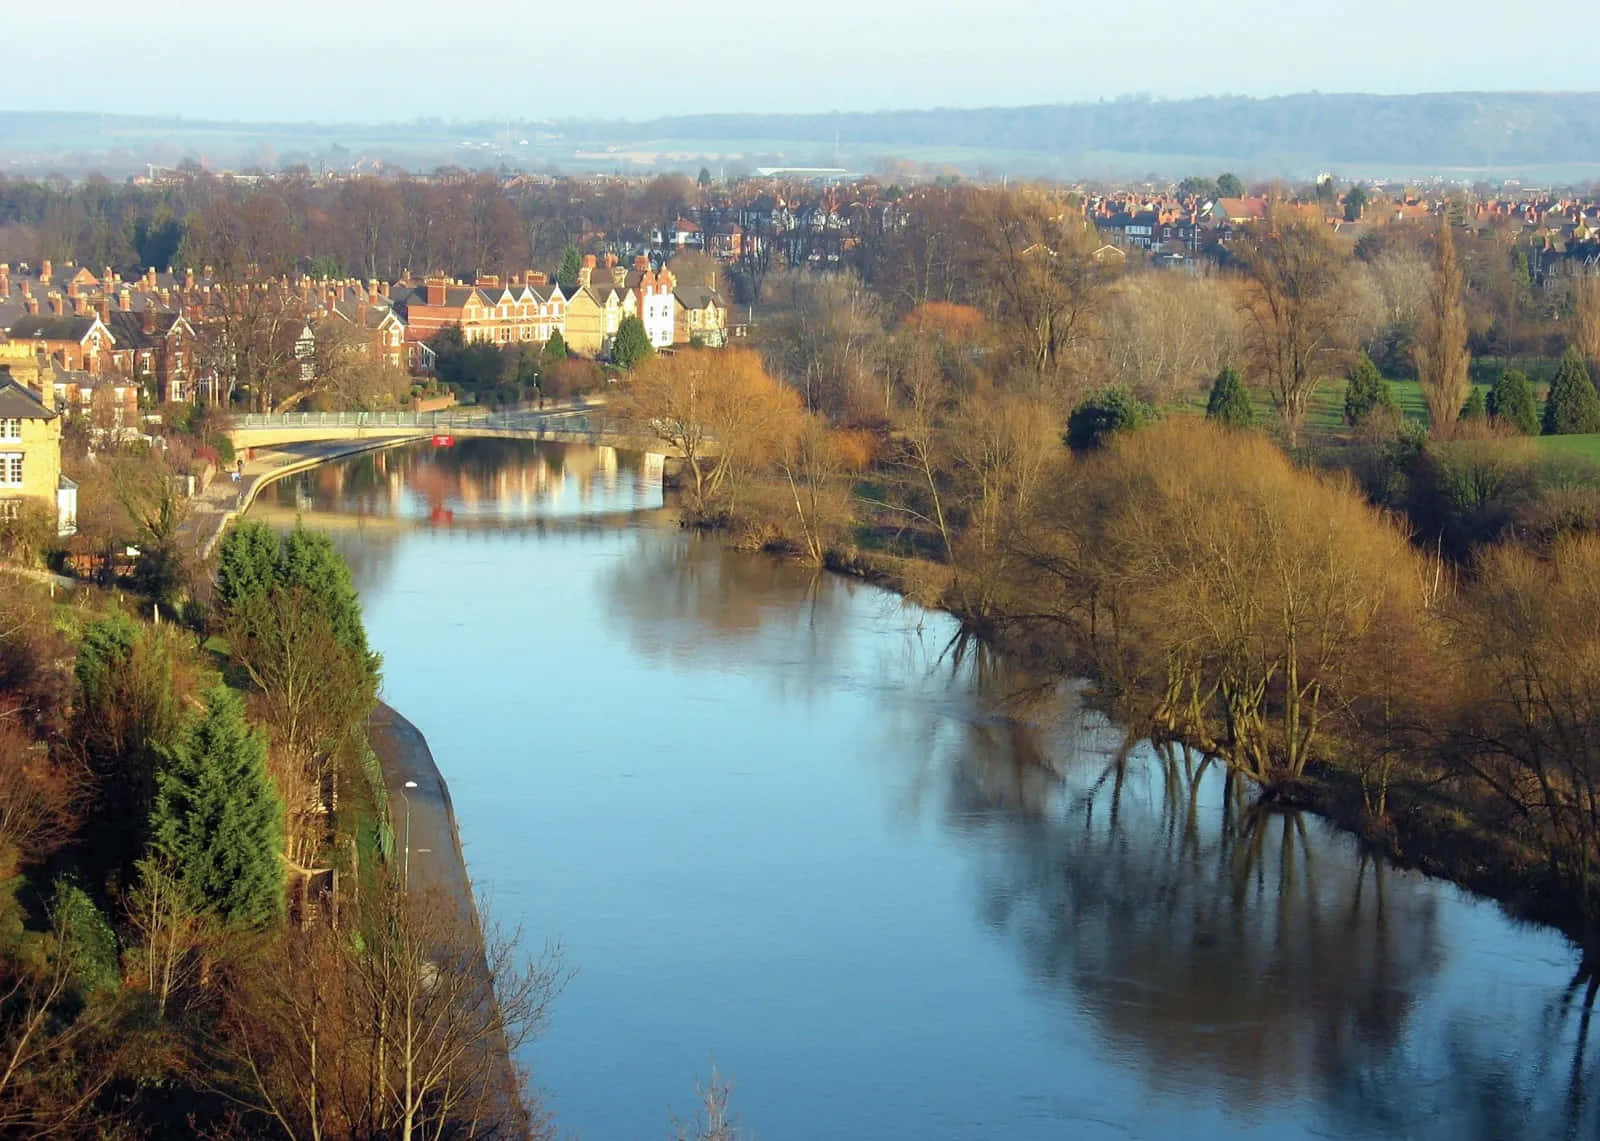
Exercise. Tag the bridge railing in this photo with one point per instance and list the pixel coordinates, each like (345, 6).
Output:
(569, 421)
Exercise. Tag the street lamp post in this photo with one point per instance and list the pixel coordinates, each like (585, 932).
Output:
(405, 873)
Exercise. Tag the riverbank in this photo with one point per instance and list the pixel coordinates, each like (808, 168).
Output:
(1420, 830)
(428, 844)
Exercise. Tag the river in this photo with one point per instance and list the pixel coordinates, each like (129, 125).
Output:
(777, 824)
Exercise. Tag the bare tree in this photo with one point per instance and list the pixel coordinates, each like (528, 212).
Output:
(1586, 319)
(411, 1034)
(37, 796)
(169, 931)
(1301, 314)
(1033, 256)
(54, 1058)
(713, 1121)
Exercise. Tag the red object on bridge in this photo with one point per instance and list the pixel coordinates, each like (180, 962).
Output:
(444, 441)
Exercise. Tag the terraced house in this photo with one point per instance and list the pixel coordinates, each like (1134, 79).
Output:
(30, 452)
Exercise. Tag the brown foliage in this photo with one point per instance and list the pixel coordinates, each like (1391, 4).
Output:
(720, 410)
(1586, 319)
(1527, 656)
(1239, 602)
(1440, 347)
(37, 797)
(1301, 312)
(403, 1033)
(957, 324)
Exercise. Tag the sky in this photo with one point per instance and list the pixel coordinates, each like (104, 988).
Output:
(405, 59)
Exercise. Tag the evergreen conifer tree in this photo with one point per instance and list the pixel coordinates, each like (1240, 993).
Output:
(555, 349)
(1107, 412)
(1474, 408)
(1573, 407)
(1366, 390)
(315, 571)
(1229, 402)
(571, 263)
(1511, 402)
(631, 346)
(247, 564)
(217, 817)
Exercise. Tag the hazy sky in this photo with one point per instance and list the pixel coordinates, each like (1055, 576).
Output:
(403, 59)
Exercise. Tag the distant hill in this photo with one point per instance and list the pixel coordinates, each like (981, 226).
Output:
(1445, 130)
(1554, 136)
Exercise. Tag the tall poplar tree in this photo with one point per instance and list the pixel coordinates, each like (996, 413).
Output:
(217, 819)
(1440, 344)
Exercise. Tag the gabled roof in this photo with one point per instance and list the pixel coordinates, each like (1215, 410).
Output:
(128, 328)
(17, 402)
(698, 297)
(52, 328)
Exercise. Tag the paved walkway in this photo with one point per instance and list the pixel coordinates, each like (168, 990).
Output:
(212, 509)
(427, 843)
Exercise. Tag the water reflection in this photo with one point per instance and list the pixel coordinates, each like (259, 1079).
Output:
(896, 887)
(472, 482)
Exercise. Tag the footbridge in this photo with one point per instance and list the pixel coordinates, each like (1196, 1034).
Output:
(582, 425)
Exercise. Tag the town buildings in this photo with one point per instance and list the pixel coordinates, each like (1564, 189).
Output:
(30, 449)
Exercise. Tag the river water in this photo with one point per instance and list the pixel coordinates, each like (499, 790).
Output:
(779, 825)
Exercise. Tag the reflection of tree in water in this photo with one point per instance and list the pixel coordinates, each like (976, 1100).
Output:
(687, 598)
(1487, 1079)
(1211, 939)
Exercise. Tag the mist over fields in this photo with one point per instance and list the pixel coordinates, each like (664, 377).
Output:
(1532, 136)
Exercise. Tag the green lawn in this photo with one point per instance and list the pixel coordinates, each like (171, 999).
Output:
(1586, 446)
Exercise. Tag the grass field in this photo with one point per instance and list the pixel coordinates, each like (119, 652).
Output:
(1586, 446)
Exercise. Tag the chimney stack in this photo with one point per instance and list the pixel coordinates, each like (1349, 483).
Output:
(372, 290)
(103, 305)
(5, 280)
(44, 272)
(80, 306)
(188, 279)
(383, 289)
(166, 297)
(125, 301)
(33, 304)
(58, 304)
(147, 319)
(436, 291)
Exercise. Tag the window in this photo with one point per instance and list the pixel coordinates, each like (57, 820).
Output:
(10, 428)
(10, 509)
(10, 469)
